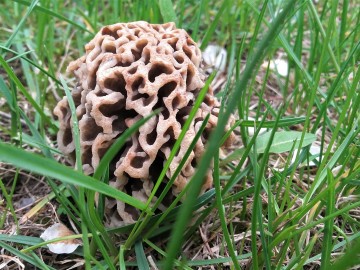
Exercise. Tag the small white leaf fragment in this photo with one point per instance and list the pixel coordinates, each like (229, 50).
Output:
(214, 57)
(62, 247)
(314, 151)
(252, 130)
(279, 65)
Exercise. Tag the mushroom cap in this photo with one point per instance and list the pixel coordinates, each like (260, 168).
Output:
(128, 71)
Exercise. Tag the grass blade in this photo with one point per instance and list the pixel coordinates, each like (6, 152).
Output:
(350, 258)
(221, 211)
(329, 225)
(54, 14)
(141, 260)
(167, 164)
(21, 255)
(15, 79)
(116, 146)
(283, 141)
(14, 32)
(338, 153)
(213, 25)
(35, 163)
(167, 11)
(185, 213)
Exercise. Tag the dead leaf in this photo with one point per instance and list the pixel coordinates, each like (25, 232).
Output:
(61, 247)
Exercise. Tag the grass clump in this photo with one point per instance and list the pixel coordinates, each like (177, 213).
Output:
(285, 197)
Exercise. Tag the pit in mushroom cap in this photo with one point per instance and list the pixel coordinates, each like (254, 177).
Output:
(128, 71)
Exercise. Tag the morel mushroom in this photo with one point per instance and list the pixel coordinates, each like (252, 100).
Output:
(129, 70)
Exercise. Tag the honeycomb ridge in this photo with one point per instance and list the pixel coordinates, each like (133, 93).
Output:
(128, 71)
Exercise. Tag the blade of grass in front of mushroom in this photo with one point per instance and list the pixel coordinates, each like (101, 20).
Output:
(29, 161)
(88, 209)
(112, 152)
(141, 224)
(34, 162)
(80, 212)
(236, 178)
(173, 178)
(75, 124)
(78, 165)
(119, 142)
(81, 202)
(102, 168)
(203, 200)
(180, 225)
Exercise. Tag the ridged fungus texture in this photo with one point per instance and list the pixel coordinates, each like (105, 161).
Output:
(128, 71)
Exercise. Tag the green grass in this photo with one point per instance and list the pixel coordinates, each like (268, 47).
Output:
(268, 209)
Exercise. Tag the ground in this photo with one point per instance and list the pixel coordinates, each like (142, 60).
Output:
(290, 215)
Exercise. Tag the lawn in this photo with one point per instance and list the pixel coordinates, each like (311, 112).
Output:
(285, 190)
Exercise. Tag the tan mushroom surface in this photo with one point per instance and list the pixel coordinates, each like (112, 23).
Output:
(128, 71)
